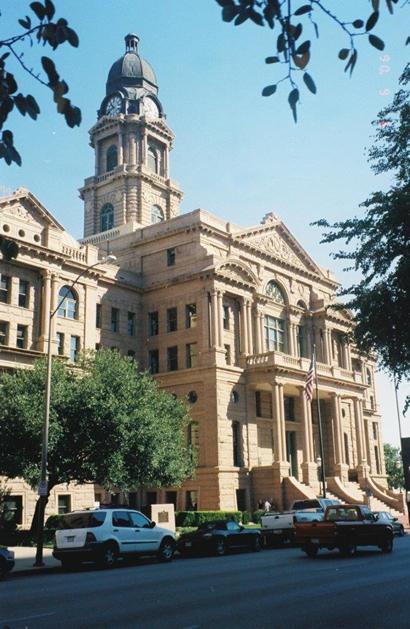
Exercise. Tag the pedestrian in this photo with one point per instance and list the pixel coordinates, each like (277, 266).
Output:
(267, 505)
(260, 504)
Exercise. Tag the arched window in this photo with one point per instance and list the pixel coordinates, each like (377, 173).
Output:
(157, 215)
(368, 377)
(112, 157)
(69, 303)
(107, 217)
(153, 160)
(274, 291)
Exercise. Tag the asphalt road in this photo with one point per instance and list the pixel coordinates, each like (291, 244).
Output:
(274, 588)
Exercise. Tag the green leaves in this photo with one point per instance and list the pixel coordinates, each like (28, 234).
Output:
(272, 60)
(344, 53)
(306, 8)
(310, 84)
(376, 42)
(293, 99)
(371, 22)
(269, 90)
(59, 88)
(7, 150)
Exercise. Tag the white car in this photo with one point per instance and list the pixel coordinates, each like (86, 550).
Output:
(104, 535)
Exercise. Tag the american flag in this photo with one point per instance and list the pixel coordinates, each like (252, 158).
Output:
(309, 379)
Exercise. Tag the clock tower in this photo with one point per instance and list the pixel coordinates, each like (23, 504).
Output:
(131, 185)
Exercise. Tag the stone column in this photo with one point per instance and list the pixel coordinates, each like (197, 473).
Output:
(55, 281)
(291, 339)
(362, 463)
(249, 326)
(309, 465)
(220, 321)
(276, 425)
(262, 334)
(281, 463)
(97, 158)
(214, 318)
(340, 467)
(327, 358)
(244, 329)
(120, 148)
(206, 322)
(133, 149)
(45, 308)
(257, 328)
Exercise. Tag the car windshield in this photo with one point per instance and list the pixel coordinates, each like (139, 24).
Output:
(340, 514)
(86, 520)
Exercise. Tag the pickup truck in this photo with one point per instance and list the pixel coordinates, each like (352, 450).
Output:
(344, 527)
(278, 527)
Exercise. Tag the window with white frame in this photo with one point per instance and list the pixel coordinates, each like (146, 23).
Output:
(275, 339)
(68, 307)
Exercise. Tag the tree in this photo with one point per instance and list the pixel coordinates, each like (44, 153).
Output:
(291, 19)
(380, 245)
(394, 467)
(109, 424)
(41, 29)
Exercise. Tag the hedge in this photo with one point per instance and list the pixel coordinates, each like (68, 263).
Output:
(195, 518)
(24, 537)
(256, 516)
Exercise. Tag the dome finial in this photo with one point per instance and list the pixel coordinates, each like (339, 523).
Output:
(131, 42)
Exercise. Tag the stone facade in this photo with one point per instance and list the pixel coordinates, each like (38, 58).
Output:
(224, 317)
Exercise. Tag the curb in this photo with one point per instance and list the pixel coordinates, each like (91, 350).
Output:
(33, 571)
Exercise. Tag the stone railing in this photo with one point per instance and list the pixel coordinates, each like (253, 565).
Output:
(75, 254)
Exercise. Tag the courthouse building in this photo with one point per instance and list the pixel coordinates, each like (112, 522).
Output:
(223, 316)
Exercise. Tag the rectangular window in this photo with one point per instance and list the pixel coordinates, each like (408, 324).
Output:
(131, 353)
(190, 316)
(115, 319)
(225, 317)
(97, 347)
(4, 332)
(236, 443)
(172, 358)
(131, 324)
(153, 361)
(74, 348)
(60, 343)
(228, 358)
(375, 431)
(258, 404)
(302, 341)
(274, 334)
(191, 355)
(13, 509)
(153, 323)
(64, 504)
(171, 256)
(289, 403)
(21, 340)
(4, 288)
(193, 435)
(98, 315)
(23, 298)
(172, 320)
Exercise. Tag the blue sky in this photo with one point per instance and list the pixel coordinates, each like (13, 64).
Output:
(236, 153)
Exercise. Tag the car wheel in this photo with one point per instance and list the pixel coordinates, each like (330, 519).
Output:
(387, 544)
(311, 550)
(256, 544)
(109, 555)
(348, 550)
(166, 550)
(220, 547)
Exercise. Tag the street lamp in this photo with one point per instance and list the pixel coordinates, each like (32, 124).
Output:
(43, 486)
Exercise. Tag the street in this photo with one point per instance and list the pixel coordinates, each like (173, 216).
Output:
(274, 588)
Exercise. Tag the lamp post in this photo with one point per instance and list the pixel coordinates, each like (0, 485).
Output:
(43, 486)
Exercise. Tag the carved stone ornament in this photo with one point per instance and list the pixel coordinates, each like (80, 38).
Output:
(274, 244)
(18, 211)
(235, 273)
(110, 197)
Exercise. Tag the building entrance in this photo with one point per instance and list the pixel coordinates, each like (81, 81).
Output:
(291, 452)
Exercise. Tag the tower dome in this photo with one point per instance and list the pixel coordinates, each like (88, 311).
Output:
(131, 70)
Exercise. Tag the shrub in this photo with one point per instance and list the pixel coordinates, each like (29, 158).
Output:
(195, 518)
(256, 516)
(246, 516)
(52, 521)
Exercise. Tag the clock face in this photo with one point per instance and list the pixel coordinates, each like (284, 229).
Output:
(151, 108)
(113, 106)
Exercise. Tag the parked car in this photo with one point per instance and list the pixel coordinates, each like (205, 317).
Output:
(398, 528)
(278, 527)
(104, 535)
(344, 527)
(218, 538)
(6, 561)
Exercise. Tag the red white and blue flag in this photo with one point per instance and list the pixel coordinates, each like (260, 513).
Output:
(310, 379)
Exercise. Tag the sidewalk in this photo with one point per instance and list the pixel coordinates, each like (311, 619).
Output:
(24, 557)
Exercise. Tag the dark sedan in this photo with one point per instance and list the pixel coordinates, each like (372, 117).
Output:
(385, 516)
(219, 537)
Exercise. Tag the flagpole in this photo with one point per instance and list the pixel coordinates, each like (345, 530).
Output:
(319, 416)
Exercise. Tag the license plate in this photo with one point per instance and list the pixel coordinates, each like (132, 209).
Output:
(314, 541)
(188, 544)
(278, 532)
(70, 538)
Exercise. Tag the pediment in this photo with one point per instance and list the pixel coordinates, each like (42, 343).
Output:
(274, 238)
(235, 271)
(23, 207)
